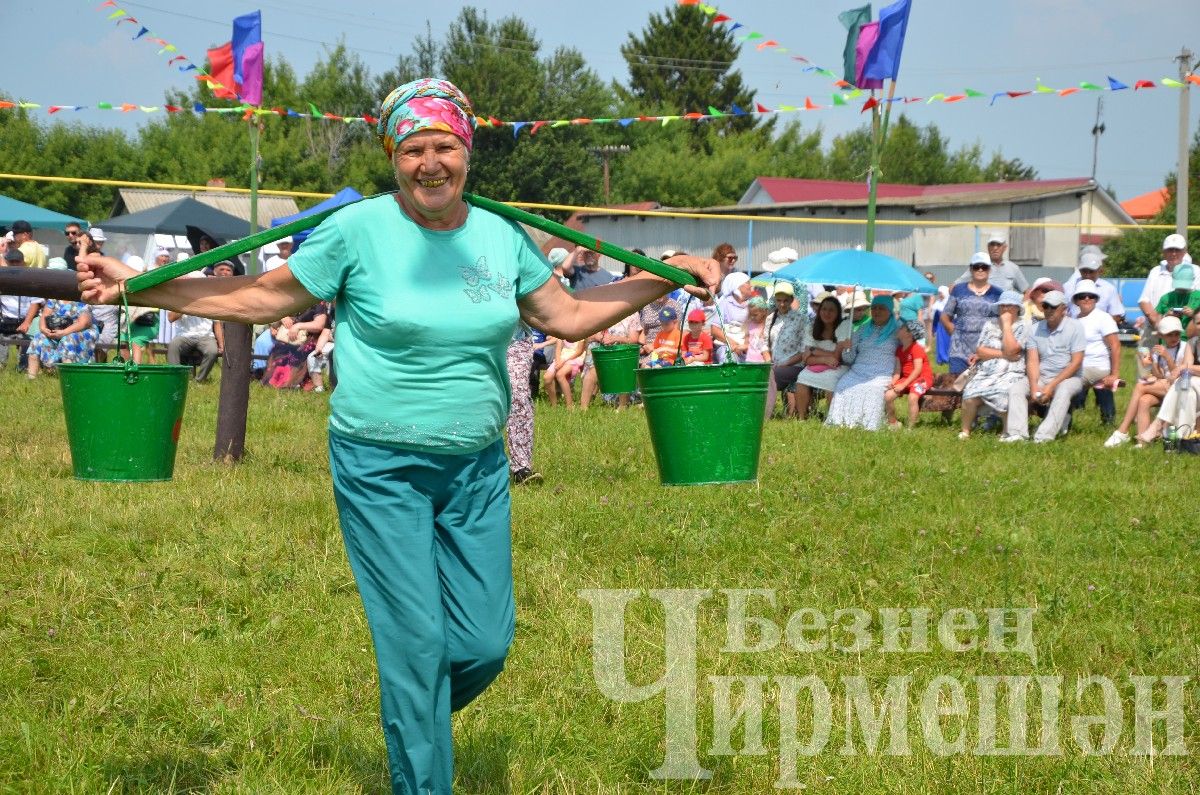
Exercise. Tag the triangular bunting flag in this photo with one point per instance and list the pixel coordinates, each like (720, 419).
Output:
(1086, 86)
(1015, 94)
(837, 100)
(1043, 89)
(935, 98)
(808, 104)
(537, 125)
(973, 93)
(1143, 84)
(104, 105)
(1063, 92)
(1166, 81)
(713, 111)
(1194, 79)
(870, 103)
(1115, 84)
(759, 107)
(790, 108)
(517, 125)
(625, 122)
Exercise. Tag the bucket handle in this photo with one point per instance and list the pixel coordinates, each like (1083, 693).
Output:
(123, 331)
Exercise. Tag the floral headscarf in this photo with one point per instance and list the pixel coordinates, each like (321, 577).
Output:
(425, 104)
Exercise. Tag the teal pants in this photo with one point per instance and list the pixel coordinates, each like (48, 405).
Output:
(430, 544)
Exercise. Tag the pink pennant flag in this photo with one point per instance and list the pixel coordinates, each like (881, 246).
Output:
(252, 74)
(868, 34)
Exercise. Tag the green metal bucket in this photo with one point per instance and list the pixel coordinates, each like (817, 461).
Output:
(616, 366)
(706, 421)
(123, 419)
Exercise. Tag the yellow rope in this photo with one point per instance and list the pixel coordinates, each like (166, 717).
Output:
(776, 219)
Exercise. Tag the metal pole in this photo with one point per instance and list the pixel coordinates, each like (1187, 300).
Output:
(1097, 131)
(1182, 175)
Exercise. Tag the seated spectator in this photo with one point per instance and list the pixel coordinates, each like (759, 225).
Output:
(825, 343)
(1181, 402)
(583, 269)
(697, 343)
(104, 316)
(143, 322)
(757, 351)
(295, 339)
(857, 400)
(561, 374)
(19, 314)
(1182, 302)
(1108, 298)
(1053, 365)
(1168, 361)
(1033, 302)
(733, 308)
(650, 318)
(1102, 357)
(1001, 362)
(67, 336)
(196, 336)
(912, 313)
(318, 360)
(626, 332)
(787, 327)
(913, 376)
(667, 341)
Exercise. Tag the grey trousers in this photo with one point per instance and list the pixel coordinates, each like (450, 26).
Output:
(205, 346)
(1018, 409)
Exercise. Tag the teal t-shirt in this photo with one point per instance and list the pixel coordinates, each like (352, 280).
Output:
(424, 321)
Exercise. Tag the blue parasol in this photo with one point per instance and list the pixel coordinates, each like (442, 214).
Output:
(853, 268)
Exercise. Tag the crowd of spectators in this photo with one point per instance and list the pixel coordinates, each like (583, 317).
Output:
(1010, 348)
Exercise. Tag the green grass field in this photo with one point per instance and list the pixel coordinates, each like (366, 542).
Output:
(205, 635)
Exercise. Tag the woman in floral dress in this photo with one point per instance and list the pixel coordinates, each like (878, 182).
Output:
(1001, 359)
(858, 398)
(67, 336)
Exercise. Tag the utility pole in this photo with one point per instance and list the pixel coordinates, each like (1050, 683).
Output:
(1182, 174)
(604, 153)
(1097, 131)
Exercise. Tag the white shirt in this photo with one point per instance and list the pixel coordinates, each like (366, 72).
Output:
(1097, 326)
(1159, 283)
(17, 306)
(192, 326)
(1109, 300)
(274, 262)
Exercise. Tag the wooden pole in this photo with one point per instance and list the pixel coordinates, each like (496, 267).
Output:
(234, 404)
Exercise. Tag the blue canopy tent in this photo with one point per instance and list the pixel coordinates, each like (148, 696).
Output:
(38, 217)
(343, 196)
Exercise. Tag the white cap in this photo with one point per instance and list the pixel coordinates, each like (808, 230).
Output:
(1169, 324)
(1054, 298)
(997, 237)
(97, 234)
(556, 255)
(782, 256)
(667, 253)
(1039, 282)
(980, 258)
(181, 256)
(135, 262)
(1090, 262)
(1085, 287)
(1174, 241)
(858, 300)
(161, 252)
(282, 240)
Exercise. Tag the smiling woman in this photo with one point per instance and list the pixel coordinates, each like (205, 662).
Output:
(428, 291)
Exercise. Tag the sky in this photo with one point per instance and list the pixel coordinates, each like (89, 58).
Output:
(67, 52)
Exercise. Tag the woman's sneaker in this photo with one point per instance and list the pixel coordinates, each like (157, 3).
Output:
(1117, 439)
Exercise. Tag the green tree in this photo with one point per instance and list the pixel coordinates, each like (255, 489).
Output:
(919, 156)
(58, 148)
(498, 65)
(1136, 251)
(681, 64)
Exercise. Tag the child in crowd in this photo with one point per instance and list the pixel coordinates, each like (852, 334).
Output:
(913, 375)
(318, 360)
(756, 331)
(697, 343)
(667, 341)
(567, 364)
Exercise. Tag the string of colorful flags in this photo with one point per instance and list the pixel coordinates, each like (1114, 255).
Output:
(239, 63)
